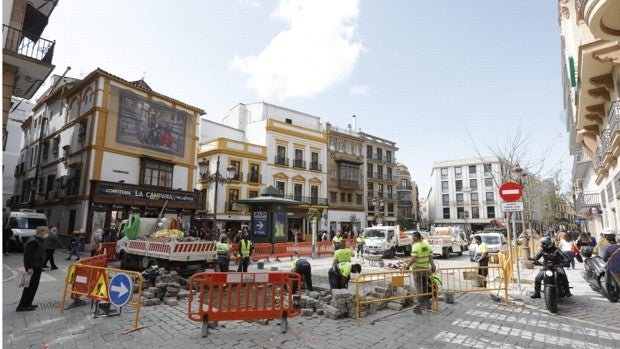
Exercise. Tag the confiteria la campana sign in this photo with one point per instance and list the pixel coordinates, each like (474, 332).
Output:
(134, 193)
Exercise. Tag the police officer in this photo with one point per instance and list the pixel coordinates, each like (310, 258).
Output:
(421, 258)
(245, 251)
(223, 253)
(302, 266)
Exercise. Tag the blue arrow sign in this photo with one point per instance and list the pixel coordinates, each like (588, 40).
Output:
(120, 289)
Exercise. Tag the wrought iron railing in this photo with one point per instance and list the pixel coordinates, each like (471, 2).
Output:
(315, 166)
(27, 45)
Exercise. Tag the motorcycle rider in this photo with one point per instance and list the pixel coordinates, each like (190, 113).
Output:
(551, 253)
(609, 238)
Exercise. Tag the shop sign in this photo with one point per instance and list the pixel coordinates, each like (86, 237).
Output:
(145, 194)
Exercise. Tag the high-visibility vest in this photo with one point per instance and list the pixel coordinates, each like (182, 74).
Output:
(244, 247)
(222, 249)
(422, 251)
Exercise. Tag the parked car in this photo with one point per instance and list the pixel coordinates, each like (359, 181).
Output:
(495, 241)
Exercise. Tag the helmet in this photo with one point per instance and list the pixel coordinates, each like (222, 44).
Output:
(547, 243)
(609, 231)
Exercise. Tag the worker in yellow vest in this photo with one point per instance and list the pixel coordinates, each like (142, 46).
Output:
(223, 253)
(421, 258)
(338, 241)
(360, 244)
(245, 251)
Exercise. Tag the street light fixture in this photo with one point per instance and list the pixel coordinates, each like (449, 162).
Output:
(215, 179)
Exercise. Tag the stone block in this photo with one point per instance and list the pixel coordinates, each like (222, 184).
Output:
(332, 312)
(147, 302)
(307, 312)
(148, 294)
(320, 312)
(171, 301)
(395, 306)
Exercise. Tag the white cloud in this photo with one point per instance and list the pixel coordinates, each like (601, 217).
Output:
(249, 3)
(359, 90)
(319, 49)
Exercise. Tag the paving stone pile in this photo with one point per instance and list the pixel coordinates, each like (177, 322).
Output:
(167, 288)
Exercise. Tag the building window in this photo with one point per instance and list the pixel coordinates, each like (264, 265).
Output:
(314, 195)
(458, 172)
(490, 211)
(343, 197)
(82, 131)
(380, 190)
(490, 197)
(446, 212)
(487, 170)
(333, 197)
(157, 173)
(281, 187)
(281, 155)
(348, 175)
(358, 199)
(475, 212)
(473, 184)
(488, 183)
(388, 173)
(459, 198)
(444, 173)
(379, 155)
(237, 165)
(379, 172)
(253, 193)
(297, 191)
(298, 161)
(233, 196)
(370, 189)
(314, 161)
(445, 199)
(55, 145)
(458, 184)
(388, 156)
(254, 173)
(444, 187)
(369, 170)
(474, 198)
(472, 170)
(45, 150)
(369, 151)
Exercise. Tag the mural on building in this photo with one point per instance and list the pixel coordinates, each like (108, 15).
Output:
(151, 125)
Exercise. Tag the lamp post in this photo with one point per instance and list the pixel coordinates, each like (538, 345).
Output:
(518, 171)
(215, 178)
(376, 202)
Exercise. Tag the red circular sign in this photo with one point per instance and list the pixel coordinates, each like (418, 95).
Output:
(510, 191)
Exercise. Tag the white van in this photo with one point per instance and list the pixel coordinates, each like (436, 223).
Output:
(23, 224)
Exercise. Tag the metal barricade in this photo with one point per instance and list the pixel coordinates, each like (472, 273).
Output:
(244, 296)
(234, 252)
(473, 279)
(96, 284)
(262, 251)
(375, 290)
(304, 249)
(109, 249)
(284, 249)
(324, 247)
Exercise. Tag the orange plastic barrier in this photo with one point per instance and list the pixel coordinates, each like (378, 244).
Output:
(324, 247)
(234, 252)
(84, 279)
(244, 296)
(109, 249)
(350, 243)
(284, 249)
(262, 251)
(304, 248)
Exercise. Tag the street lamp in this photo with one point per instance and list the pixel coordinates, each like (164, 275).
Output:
(215, 178)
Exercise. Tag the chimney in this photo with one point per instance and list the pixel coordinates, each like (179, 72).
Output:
(354, 125)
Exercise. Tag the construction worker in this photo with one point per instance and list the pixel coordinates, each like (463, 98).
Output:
(223, 253)
(245, 251)
(338, 241)
(421, 258)
(360, 244)
(302, 266)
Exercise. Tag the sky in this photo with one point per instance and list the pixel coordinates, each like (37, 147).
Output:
(445, 79)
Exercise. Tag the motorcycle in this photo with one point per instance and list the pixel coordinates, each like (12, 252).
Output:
(598, 277)
(552, 286)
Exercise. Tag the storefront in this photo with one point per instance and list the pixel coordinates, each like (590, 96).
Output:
(110, 203)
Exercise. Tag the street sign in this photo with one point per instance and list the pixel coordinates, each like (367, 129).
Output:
(512, 206)
(120, 289)
(260, 223)
(510, 191)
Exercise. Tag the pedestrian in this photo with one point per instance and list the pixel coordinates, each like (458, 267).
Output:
(324, 236)
(34, 260)
(583, 240)
(223, 253)
(566, 246)
(612, 257)
(360, 244)
(74, 246)
(7, 233)
(302, 267)
(96, 238)
(246, 247)
(51, 244)
(421, 258)
(592, 239)
(608, 239)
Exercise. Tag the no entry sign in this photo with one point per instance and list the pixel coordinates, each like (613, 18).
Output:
(510, 191)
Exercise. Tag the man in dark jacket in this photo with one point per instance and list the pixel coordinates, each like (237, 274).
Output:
(34, 260)
(51, 244)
